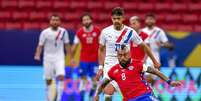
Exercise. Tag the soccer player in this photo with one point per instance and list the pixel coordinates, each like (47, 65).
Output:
(88, 37)
(129, 77)
(157, 38)
(137, 54)
(52, 40)
(110, 40)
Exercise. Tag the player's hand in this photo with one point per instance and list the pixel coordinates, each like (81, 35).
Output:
(37, 57)
(99, 74)
(157, 65)
(175, 83)
(96, 98)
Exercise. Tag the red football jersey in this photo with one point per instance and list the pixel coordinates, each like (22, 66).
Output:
(89, 44)
(130, 80)
(136, 53)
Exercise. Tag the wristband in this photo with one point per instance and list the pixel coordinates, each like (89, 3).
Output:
(100, 67)
(169, 81)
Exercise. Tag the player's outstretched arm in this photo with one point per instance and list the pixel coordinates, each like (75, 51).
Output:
(150, 54)
(101, 56)
(100, 89)
(38, 52)
(163, 77)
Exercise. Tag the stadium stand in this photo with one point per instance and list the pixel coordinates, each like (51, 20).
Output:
(181, 15)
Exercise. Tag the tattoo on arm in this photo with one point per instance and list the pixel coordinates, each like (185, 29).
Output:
(102, 86)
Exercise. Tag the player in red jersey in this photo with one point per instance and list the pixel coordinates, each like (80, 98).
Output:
(88, 37)
(137, 54)
(129, 76)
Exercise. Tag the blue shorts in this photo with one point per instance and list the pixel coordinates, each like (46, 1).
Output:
(145, 97)
(88, 68)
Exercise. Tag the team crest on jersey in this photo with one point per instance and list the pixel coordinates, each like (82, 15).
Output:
(84, 35)
(130, 67)
(94, 34)
(116, 71)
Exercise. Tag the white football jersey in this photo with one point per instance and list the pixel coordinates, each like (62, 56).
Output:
(112, 39)
(53, 42)
(156, 37)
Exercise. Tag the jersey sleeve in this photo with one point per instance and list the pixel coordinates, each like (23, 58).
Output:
(76, 40)
(42, 38)
(111, 74)
(66, 37)
(136, 38)
(163, 37)
(145, 37)
(139, 67)
(102, 39)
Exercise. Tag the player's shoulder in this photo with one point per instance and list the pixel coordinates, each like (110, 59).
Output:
(62, 29)
(158, 28)
(108, 29)
(80, 30)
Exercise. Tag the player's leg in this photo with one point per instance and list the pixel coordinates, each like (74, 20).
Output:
(83, 79)
(150, 77)
(60, 72)
(91, 73)
(48, 76)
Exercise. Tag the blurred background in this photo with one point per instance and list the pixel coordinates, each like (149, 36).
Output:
(21, 22)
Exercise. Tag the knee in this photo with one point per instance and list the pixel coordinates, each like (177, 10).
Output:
(60, 78)
(109, 90)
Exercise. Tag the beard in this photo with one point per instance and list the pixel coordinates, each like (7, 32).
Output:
(125, 64)
(87, 25)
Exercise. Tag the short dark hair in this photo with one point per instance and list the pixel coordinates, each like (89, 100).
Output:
(150, 15)
(86, 14)
(54, 15)
(117, 11)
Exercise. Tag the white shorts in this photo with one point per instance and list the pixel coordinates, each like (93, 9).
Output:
(53, 69)
(107, 67)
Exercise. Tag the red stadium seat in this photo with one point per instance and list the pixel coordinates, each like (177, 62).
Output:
(68, 25)
(194, 6)
(43, 25)
(61, 5)
(183, 27)
(78, 5)
(37, 16)
(129, 5)
(162, 6)
(95, 5)
(179, 7)
(2, 26)
(108, 5)
(173, 18)
(31, 25)
(145, 6)
(9, 4)
(72, 16)
(197, 28)
(13, 25)
(169, 27)
(161, 16)
(5, 15)
(192, 18)
(20, 16)
(26, 4)
(103, 16)
(43, 5)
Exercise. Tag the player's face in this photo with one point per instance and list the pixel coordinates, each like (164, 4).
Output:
(86, 21)
(117, 21)
(150, 21)
(55, 22)
(123, 57)
(135, 24)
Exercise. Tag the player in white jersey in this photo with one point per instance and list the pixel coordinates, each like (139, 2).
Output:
(110, 40)
(157, 38)
(52, 40)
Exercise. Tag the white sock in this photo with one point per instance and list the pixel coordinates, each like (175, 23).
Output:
(60, 88)
(49, 93)
(82, 86)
